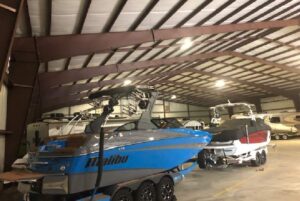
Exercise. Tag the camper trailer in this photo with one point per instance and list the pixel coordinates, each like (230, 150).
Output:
(283, 125)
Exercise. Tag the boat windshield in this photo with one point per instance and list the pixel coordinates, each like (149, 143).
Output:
(233, 123)
(167, 123)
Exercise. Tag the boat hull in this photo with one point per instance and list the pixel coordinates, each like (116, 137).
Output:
(256, 140)
(73, 174)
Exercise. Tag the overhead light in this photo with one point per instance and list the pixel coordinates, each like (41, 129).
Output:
(186, 44)
(173, 97)
(127, 82)
(220, 83)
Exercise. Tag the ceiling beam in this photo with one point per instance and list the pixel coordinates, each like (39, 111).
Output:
(51, 79)
(23, 78)
(62, 91)
(60, 95)
(53, 95)
(64, 46)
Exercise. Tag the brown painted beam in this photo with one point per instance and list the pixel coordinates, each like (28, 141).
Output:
(64, 46)
(62, 91)
(23, 78)
(51, 79)
(266, 62)
(56, 96)
(9, 13)
(61, 95)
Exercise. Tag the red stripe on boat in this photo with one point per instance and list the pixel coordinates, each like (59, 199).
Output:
(255, 137)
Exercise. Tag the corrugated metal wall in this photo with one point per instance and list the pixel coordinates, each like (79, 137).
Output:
(171, 109)
(161, 109)
(3, 107)
(277, 104)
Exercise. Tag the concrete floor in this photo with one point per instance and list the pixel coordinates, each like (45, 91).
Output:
(278, 180)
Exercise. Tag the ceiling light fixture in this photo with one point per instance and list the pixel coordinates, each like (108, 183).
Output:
(173, 97)
(186, 44)
(220, 83)
(127, 82)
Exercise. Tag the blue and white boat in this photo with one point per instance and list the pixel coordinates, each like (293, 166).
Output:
(71, 164)
(127, 156)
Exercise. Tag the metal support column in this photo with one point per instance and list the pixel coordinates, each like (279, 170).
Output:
(164, 108)
(189, 111)
(9, 12)
(257, 104)
(230, 112)
(296, 101)
(22, 76)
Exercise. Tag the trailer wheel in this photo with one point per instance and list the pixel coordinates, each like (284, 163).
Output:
(263, 157)
(123, 194)
(202, 163)
(257, 161)
(277, 137)
(146, 192)
(285, 137)
(165, 189)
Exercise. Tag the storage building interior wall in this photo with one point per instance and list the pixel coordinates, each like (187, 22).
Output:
(3, 106)
(161, 109)
(183, 111)
(277, 104)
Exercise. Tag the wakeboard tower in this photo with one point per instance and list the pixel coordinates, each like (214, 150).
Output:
(236, 141)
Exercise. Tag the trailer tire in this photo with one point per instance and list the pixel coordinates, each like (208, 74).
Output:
(145, 192)
(257, 161)
(276, 137)
(263, 157)
(285, 137)
(165, 189)
(122, 194)
(202, 163)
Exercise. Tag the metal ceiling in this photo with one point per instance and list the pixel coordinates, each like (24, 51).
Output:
(80, 46)
(254, 62)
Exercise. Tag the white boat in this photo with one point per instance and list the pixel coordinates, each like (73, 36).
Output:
(236, 140)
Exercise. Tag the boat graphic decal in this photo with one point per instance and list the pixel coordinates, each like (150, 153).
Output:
(112, 160)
